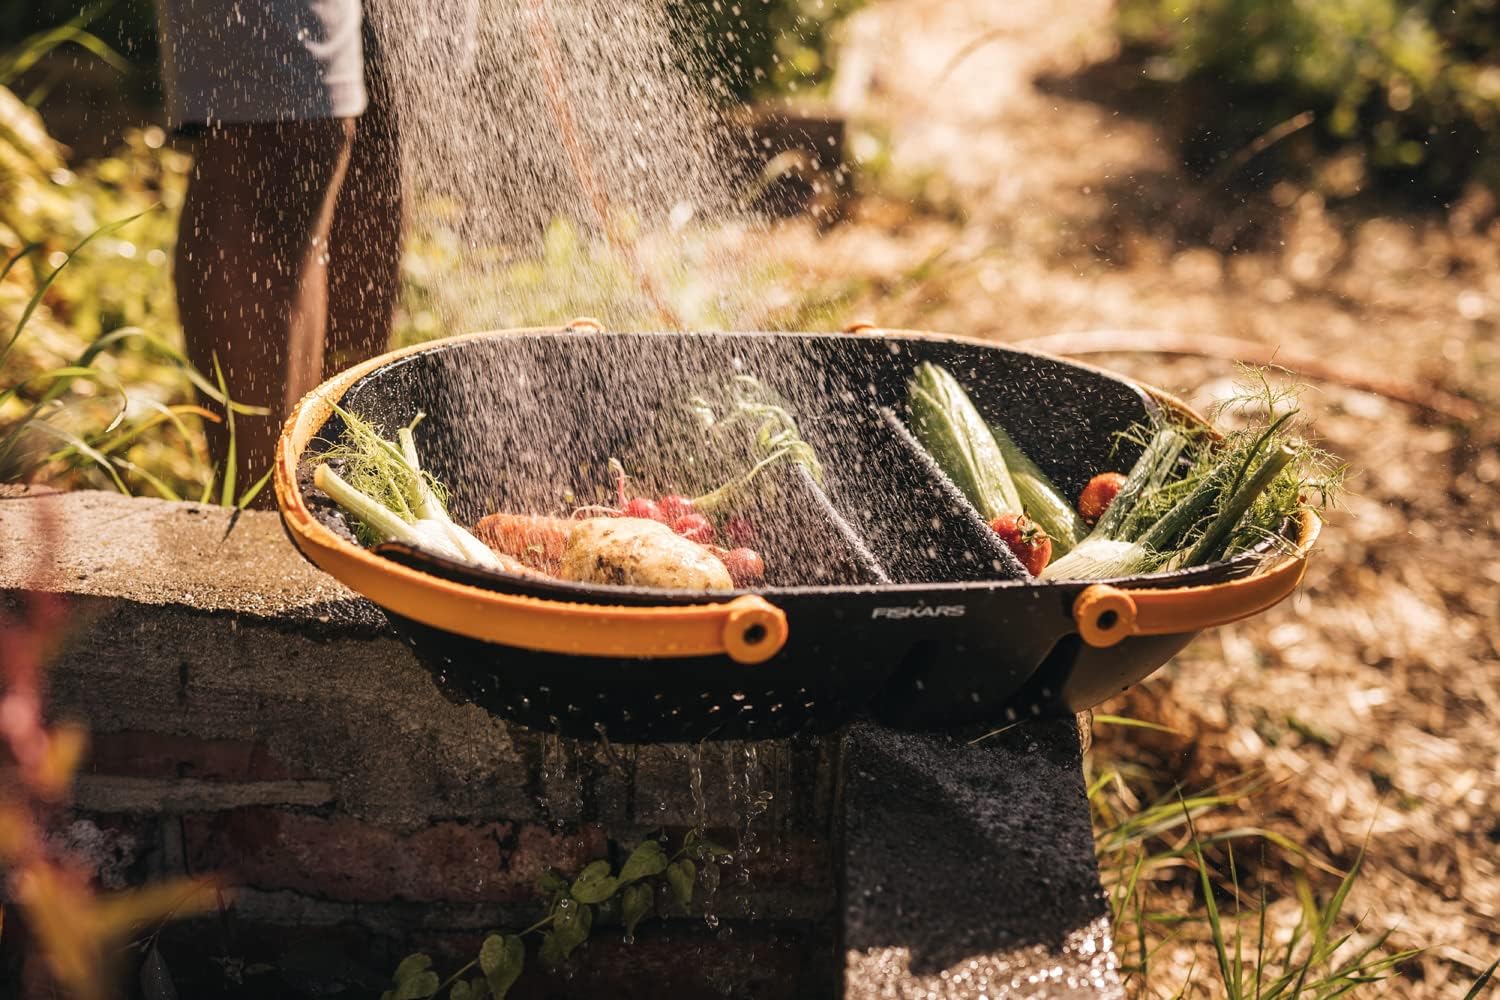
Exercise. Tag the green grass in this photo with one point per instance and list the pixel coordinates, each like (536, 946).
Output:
(1170, 883)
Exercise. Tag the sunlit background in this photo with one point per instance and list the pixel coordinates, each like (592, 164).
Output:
(1163, 186)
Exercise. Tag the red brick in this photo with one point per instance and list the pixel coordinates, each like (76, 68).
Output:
(137, 754)
(342, 859)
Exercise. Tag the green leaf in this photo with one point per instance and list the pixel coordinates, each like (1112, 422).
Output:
(1482, 981)
(647, 860)
(635, 906)
(570, 929)
(418, 987)
(550, 883)
(502, 959)
(460, 991)
(681, 874)
(594, 884)
(411, 965)
(226, 492)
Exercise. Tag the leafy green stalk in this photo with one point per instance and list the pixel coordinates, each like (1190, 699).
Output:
(948, 425)
(1040, 498)
(1148, 473)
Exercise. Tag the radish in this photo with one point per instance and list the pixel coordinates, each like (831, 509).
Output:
(674, 506)
(695, 527)
(745, 565)
(643, 508)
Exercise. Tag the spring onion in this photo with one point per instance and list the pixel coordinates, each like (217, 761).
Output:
(389, 495)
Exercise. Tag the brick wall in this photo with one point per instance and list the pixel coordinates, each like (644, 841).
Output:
(252, 719)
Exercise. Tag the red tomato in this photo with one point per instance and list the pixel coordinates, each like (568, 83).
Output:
(745, 566)
(1026, 539)
(642, 507)
(694, 527)
(674, 507)
(1099, 494)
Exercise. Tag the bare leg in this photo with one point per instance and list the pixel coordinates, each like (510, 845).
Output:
(251, 269)
(365, 273)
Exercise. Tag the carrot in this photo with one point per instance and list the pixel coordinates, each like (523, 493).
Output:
(534, 539)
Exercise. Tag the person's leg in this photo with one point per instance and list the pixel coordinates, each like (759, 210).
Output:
(365, 269)
(252, 268)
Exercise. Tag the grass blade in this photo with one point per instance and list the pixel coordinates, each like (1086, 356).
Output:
(1482, 981)
(231, 459)
(28, 248)
(109, 228)
(82, 447)
(1211, 905)
(249, 495)
(1125, 720)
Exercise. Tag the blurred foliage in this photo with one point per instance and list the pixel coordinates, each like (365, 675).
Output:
(1416, 85)
(124, 26)
(90, 340)
(760, 48)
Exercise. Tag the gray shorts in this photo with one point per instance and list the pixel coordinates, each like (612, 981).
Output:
(235, 61)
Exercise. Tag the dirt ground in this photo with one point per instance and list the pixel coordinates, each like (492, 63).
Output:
(1043, 205)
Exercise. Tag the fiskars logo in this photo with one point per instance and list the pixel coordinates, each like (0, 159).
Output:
(921, 611)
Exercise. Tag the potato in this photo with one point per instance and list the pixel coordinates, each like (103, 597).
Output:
(631, 551)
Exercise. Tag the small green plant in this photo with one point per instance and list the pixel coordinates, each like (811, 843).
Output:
(1165, 878)
(628, 896)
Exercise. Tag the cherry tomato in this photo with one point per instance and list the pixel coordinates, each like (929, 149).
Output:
(694, 527)
(745, 566)
(642, 507)
(1099, 494)
(674, 506)
(1026, 539)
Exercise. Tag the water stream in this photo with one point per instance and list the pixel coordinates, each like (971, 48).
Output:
(521, 123)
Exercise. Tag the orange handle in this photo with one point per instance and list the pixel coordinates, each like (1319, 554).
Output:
(747, 629)
(1106, 614)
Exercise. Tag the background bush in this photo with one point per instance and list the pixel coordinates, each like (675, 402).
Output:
(1415, 85)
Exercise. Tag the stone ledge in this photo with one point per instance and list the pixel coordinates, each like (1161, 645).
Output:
(250, 714)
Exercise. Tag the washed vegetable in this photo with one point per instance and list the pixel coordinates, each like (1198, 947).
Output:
(694, 526)
(745, 566)
(743, 431)
(390, 497)
(630, 551)
(1098, 494)
(643, 507)
(1040, 499)
(673, 507)
(945, 421)
(1026, 539)
(588, 551)
(536, 540)
(1192, 499)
